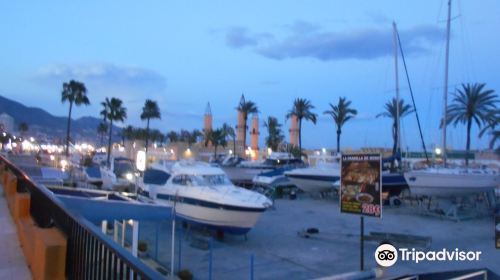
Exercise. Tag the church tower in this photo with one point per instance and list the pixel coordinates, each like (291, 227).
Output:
(240, 131)
(207, 120)
(254, 133)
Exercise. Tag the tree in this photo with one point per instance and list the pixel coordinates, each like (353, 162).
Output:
(190, 137)
(229, 131)
(113, 111)
(391, 111)
(127, 133)
(275, 136)
(217, 138)
(102, 128)
(75, 93)
(302, 109)
(341, 113)
(172, 137)
(23, 127)
(471, 104)
(246, 108)
(150, 111)
(493, 117)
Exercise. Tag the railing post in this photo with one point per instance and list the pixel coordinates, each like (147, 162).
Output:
(251, 266)
(180, 251)
(210, 259)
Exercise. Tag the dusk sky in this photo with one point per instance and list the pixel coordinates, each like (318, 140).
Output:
(184, 54)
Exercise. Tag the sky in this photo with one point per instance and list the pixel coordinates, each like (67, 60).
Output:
(184, 54)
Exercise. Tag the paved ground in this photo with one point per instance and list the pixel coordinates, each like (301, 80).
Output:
(281, 254)
(12, 261)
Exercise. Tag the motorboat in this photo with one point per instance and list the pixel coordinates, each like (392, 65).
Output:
(272, 179)
(120, 175)
(203, 194)
(448, 182)
(93, 175)
(325, 176)
(245, 171)
(319, 178)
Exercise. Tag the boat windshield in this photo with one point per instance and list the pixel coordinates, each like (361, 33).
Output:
(216, 180)
(201, 180)
(155, 177)
(123, 167)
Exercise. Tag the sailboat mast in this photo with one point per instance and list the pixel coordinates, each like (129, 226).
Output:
(445, 88)
(395, 37)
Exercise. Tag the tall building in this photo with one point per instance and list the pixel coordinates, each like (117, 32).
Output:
(294, 131)
(240, 131)
(254, 133)
(6, 123)
(207, 120)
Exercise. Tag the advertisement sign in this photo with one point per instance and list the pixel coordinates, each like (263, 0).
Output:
(361, 184)
(497, 231)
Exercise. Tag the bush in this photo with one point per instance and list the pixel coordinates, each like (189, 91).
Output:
(185, 274)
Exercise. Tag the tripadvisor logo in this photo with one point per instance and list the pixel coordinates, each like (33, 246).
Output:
(387, 255)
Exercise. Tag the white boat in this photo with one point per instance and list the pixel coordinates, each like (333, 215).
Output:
(93, 175)
(120, 176)
(448, 182)
(245, 171)
(272, 179)
(319, 178)
(204, 195)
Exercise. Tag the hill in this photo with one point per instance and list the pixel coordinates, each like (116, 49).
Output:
(40, 121)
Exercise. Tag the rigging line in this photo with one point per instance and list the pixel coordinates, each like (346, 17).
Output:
(412, 98)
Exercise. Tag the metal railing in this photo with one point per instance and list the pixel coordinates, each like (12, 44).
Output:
(90, 253)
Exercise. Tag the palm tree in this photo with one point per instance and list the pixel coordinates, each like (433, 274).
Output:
(102, 128)
(127, 133)
(217, 138)
(193, 137)
(229, 131)
(275, 136)
(75, 93)
(150, 111)
(246, 108)
(471, 103)
(341, 113)
(172, 137)
(23, 127)
(302, 110)
(114, 112)
(190, 137)
(391, 111)
(493, 120)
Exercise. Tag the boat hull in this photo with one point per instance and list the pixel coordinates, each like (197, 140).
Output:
(425, 183)
(230, 219)
(308, 183)
(243, 174)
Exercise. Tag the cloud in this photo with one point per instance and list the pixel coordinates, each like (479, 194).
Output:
(307, 40)
(240, 37)
(102, 76)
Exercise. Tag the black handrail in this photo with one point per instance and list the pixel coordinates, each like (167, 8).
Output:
(90, 253)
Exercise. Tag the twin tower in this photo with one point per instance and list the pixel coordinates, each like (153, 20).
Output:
(254, 130)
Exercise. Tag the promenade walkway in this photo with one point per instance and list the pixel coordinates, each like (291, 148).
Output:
(12, 262)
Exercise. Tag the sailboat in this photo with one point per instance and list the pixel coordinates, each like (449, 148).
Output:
(445, 181)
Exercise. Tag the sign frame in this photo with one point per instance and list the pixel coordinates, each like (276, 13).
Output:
(352, 166)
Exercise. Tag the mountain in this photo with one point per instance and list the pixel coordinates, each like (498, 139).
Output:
(40, 121)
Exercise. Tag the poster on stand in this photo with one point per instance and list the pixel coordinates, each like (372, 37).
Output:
(361, 184)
